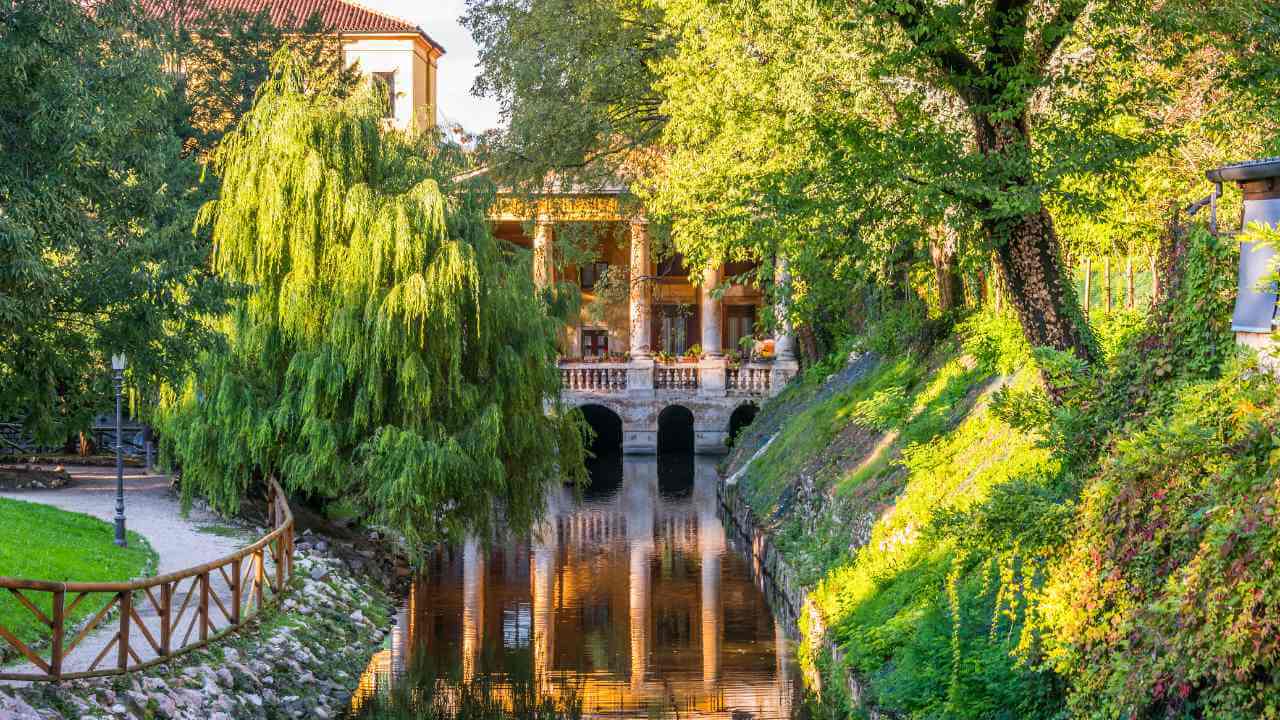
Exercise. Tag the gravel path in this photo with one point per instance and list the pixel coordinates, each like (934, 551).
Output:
(152, 510)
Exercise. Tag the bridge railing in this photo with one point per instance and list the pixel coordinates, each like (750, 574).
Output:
(213, 599)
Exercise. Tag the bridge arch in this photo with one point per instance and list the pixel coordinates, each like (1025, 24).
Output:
(607, 424)
(742, 416)
(675, 430)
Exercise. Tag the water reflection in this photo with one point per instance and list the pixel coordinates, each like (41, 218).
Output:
(631, 597)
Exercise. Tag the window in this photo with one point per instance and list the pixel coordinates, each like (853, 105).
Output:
(388, 80)
(591, 273)
(675, 328)
(673, 266)
(740, 322)
(595, 343)
(733, 270)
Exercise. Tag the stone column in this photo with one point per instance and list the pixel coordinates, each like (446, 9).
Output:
(783, 343)
(543, 267)
(711, 344)
(641, 309)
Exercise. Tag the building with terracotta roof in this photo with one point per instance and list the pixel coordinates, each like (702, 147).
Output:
(390, 49)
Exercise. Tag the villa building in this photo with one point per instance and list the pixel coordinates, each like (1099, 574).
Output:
(631, 368)
(386, 48)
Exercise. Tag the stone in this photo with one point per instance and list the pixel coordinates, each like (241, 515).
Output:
(231, 655)
(224, 678)
(118, 709)
(253, 699)
(319, 572)
(357, 617)
(166, 706)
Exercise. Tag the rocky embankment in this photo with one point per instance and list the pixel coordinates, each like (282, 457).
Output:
(302, 660)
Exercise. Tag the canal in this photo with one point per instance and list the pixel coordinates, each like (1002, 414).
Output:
(634, 600)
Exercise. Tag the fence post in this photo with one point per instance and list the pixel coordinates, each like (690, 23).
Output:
(1087, 277)
(1129, 272)
(166, 610)
(259, 574)
(126, 613)
(235, 592)
(1106, 272)
(204, 606)
(59, 629)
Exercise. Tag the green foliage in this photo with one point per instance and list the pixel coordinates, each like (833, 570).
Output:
(96, 204)
(388, 351)
(38, 542)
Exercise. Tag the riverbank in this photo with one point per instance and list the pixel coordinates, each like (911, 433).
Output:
(303, 659)
(956, 544)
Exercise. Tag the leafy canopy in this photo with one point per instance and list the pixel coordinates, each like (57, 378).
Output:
(388, 353)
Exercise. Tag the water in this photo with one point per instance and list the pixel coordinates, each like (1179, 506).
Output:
(634, 601)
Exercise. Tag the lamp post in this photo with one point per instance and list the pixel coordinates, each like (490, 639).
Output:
(118, 363)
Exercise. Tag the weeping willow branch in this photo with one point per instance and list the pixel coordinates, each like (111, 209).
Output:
(388, 354)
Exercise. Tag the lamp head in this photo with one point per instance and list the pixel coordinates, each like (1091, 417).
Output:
(119, 362)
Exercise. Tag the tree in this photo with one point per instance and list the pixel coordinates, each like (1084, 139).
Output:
(96, 202)
(224, 56)
(575, 82)
(388, 352)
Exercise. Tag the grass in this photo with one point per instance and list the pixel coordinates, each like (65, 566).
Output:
(38, 542)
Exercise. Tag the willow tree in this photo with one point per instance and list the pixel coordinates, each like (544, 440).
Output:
(387, 352)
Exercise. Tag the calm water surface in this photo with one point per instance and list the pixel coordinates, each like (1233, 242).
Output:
(634, 597)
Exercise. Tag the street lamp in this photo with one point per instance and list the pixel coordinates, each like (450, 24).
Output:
(118, 363)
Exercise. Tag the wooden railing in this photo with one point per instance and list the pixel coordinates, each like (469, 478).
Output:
(238, 586)
(748, 380)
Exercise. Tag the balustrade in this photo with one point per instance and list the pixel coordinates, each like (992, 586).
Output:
(748, 380)
(593, 379)
(678, 377)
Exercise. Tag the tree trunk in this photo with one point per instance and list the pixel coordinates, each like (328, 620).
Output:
(1028, 254)
(946, 268)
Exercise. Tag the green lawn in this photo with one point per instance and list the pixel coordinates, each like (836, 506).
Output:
(38, 542)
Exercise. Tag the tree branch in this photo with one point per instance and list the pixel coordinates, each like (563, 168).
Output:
(959, 70)
(1057, 30)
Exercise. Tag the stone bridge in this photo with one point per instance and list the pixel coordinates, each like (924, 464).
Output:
(646, 406)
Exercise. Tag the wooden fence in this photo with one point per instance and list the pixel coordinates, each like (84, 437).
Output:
(1105, 284)
(237, 587)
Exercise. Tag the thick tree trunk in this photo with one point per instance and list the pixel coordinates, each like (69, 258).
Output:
(946, 268)
(1028, 254)
(1039, 290)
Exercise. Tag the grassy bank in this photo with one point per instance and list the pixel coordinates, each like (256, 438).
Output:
(38, 542)
(978, 551)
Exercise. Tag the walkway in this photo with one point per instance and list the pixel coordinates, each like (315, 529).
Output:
(152, 510)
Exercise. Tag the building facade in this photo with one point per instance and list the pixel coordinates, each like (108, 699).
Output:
(385, 48)
(678, 345)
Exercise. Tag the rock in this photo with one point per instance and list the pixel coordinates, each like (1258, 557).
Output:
(219, 716)
(224, 678)
(166, 706)
(357, 617)
(322, 546)
(254, 700)
(118, 709)
(231, 655)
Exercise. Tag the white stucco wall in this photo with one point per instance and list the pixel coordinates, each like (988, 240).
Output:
(410, 60)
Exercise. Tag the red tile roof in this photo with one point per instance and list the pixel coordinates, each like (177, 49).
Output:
(340, 16)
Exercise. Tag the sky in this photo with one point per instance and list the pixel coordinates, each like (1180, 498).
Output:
(457, 69)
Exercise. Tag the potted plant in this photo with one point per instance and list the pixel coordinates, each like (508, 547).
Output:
(663, 356)
(733, 359)
(693, 354)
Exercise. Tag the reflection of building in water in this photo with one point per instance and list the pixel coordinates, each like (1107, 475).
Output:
(631, 598)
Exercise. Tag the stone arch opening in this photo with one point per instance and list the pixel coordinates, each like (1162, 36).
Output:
(607, 425)
(742, 416)
(675, 430)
